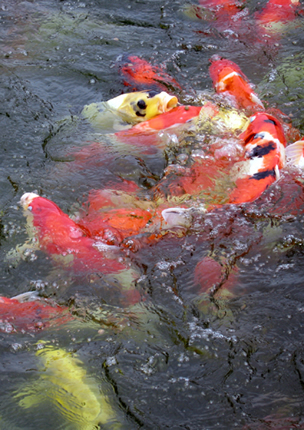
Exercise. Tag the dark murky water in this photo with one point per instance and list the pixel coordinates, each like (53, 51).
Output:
(176, 359)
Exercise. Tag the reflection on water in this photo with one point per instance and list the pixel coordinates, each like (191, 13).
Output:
(148, 347)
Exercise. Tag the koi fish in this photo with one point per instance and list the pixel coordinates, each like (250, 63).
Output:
(214, 278)
(277, 12)
(17, 315)
(224, 10)
(219, 179)
(141, 75)
(131, 217)
(65, 383)
(264, 143)
(146, 133)
(130, 108)
(61, 237)
(87, 244)
(228, 79)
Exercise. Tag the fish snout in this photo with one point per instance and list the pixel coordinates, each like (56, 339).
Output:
(27, 199)
(177, 217)
(168, 102)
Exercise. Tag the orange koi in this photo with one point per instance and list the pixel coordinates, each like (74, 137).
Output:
(277, 11)
(59, 235)
(228, 79)
(140, 218)
(145, 133)
(264, 142)
(114, 225)
(141, 75)
(16, 316)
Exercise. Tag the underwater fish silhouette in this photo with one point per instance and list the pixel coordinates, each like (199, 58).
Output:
(276, 12)
(141, 75)
(65, 383)
(31, 315)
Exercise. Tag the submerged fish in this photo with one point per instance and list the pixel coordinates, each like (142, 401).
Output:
(228, 79)
(65, 383)
(145, 134)
(277, 12)
(33, 315)
(140, 74)
(129, 108)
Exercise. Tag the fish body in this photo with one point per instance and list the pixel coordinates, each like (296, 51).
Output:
(228, 79)
(146, 133)
(140, 74)
(219, 179)
(61, 237)
(264, 143)
(30, 316)
(223, 11)
(130, 108)
(65, 383)
(277, 11)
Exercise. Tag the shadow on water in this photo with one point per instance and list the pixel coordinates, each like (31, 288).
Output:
(146, 348)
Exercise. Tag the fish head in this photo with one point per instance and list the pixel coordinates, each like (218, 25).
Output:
(221, 69)
(27, 199)
(263, 124)
(142, 105)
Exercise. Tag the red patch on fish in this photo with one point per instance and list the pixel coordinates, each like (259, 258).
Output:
(114, 225)
(278, 11)
(145, 133)
(31, 316)
(213, 278)
(141, 75)
(60, 235)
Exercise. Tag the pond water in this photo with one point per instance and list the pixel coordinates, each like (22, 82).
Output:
(149, 350)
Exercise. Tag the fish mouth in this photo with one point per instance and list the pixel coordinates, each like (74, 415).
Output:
(27, 199)
(177, 217)
(168, 102)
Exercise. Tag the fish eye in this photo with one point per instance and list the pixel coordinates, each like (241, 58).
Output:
(259, 136)
(271, 121)
(141, 104)
(152, 94)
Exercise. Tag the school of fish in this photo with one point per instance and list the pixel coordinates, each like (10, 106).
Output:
(116, 220)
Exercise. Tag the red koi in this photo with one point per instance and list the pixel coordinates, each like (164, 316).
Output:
(215, 279)
(264, 142)
(145, 133)
(59, 235)
(31, 316)
(228, 78)
(141, 75)
(114, 225)
(277, 11)
(224, 10)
